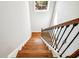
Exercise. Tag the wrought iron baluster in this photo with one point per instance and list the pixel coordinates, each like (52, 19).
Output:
(58, 36)
(56, 31)
(54, 40)
(52, 33)
(59, 32)
(69, 44)
(55, 37)
(62, 36)
(66, 37)
(52, 36)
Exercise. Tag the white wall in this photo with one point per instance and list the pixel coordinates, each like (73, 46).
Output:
(66, 11)
(14, 26)
(40, 19)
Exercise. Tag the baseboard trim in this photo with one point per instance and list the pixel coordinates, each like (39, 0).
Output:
(14, 52)
(55, 53)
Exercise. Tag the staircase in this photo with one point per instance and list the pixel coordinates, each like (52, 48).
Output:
(34, 48)
(37, 48)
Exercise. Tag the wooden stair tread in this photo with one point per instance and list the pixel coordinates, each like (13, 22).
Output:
(35, 47)
(35, 56)
(30, 53)
(35, 51)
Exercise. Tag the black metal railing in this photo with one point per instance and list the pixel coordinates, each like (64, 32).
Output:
(55, 32)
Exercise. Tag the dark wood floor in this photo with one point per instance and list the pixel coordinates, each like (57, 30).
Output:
(34, 48)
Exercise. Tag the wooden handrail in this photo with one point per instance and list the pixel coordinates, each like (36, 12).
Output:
(74, 55)
(64, 24)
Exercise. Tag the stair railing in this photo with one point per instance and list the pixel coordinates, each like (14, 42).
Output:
(56, 39)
